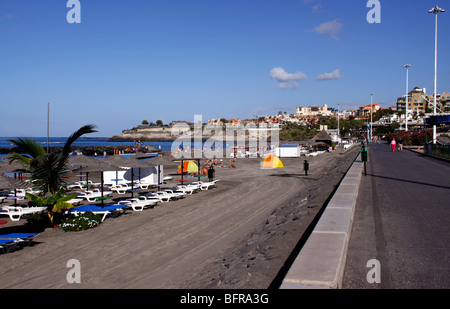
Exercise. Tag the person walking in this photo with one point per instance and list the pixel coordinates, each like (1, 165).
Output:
(400, 144)
(393, 144)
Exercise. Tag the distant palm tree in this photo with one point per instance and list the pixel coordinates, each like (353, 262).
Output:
(46, 169)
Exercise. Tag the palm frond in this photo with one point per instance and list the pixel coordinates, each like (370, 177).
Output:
(24, 161)
(47, 173)
(28, 146)
(77, 134)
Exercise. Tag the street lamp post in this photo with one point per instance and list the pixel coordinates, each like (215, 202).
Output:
(371, 124)
(339, 129)
(407, 66)
(436, 10)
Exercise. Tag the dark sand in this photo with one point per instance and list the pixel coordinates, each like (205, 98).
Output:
(237, 235)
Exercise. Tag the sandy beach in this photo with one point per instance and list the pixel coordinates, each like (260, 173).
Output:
(237, 235)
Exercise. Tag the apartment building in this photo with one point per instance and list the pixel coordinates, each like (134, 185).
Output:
(364, 111)
(418, 101)
(313, 111)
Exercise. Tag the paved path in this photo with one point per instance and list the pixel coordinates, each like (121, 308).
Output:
(402, 219)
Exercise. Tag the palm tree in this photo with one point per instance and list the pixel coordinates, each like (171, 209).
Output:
(47, 170)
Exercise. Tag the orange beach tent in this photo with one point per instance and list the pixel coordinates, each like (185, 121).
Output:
(272, 161)
(188, 167)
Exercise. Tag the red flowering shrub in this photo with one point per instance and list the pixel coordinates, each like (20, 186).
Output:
(410, 138)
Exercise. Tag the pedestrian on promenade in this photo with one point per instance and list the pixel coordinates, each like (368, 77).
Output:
(393, 144)
(400, 144)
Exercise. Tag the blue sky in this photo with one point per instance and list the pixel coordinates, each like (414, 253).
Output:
(130, 60)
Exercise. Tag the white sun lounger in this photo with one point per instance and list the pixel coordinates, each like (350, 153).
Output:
(76, 185)
(148, 201)
(176, 192)
(205, 185)
(16, 212)
(120, 188)
(182, 189)
(18, 193)
(142, 184)
(135, 205)
(90, 195)
(83, 184)
(75, 201)
(138, 204)
(162, 196)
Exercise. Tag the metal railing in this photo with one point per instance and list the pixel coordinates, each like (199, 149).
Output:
(438, 150)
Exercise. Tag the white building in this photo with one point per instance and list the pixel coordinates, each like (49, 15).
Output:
(313, 111)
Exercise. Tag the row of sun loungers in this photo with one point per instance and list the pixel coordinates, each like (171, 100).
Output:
(143, 201)
(8, 242)
(16, 212)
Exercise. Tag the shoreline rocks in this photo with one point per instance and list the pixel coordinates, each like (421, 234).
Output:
(91, 150)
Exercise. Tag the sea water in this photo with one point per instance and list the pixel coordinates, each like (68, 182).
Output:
(100, 141)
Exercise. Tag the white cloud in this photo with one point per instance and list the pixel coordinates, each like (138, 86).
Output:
(315, 4)
(286, 80)
(331, 28)
(287, 85)
(336, 74)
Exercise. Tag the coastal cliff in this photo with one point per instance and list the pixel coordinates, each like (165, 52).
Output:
(170, 134)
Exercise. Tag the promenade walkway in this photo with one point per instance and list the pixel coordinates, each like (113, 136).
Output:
(402, 220)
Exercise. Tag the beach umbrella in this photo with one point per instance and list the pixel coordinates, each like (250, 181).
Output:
(119, 160)
(16, 168)
(12, 183)
(159, 160)
(82, 161)
(11, 167)
(116, 160)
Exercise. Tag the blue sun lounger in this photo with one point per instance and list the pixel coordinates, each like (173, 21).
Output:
(7, 245)
(97, 209)
(18, 235)
(20, 238)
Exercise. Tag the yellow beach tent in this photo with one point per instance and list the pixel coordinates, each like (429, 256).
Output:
(188, 167)
(272, 161)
